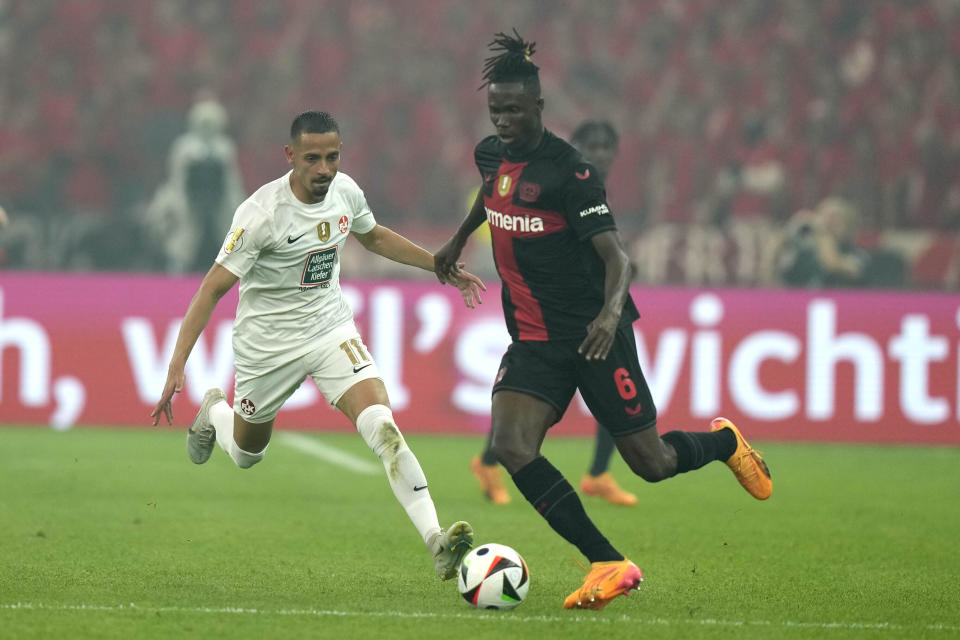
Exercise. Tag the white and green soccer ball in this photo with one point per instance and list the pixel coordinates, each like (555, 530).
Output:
(493, 576)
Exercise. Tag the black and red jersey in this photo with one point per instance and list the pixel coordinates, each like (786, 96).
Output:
(543, 208)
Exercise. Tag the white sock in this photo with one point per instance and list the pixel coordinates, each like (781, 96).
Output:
(409, 484)
(221, 416)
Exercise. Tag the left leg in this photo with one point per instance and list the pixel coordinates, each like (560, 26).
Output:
(617, 395)
(655, 457)
(366, 405)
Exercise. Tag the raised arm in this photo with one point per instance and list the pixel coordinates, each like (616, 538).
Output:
(616, 286)
(215, 284)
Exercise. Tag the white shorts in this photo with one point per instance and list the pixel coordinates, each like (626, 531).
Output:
(339, 361)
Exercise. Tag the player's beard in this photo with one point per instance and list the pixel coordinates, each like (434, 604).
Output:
(319, 189)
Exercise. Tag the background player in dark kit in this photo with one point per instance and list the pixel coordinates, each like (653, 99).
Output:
(567, 308)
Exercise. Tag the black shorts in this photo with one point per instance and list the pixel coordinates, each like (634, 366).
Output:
(614, 389)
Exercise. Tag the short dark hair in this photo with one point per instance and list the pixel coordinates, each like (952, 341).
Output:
(313, 122)
(589, 127)
(511, 62)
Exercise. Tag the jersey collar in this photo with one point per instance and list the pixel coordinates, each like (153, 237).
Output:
(520, 157)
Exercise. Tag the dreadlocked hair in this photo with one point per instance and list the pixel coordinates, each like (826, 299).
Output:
(511, 61)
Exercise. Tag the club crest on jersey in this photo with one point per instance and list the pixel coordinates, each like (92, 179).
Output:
(234, 241)
(503, 185)
(323, 231)
(528, 191)
(247, 406)
(344, 224)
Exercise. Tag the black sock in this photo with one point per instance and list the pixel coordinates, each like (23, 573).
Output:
(697, 448)
(552, 496)
(603, 451)
(489, 457)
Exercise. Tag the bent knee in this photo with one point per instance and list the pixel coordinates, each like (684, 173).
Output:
(651, 471)
(513, 457)
(245, 459)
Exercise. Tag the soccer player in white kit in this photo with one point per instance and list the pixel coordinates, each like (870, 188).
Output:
(292, 322)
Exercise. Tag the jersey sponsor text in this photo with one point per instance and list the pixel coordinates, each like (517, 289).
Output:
(525, 224)
(318, 268)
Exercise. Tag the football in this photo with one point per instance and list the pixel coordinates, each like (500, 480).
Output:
(493, 576)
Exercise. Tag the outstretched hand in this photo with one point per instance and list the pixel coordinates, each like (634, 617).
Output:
(470, 285)
(174, 384)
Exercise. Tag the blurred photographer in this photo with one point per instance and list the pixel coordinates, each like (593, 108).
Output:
(818, 249)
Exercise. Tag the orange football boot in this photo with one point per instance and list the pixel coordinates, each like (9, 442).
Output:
(606, 581)
(746, 463)
(604, 486)
(491, 482)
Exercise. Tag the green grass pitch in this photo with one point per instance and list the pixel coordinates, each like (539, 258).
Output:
(114, 534)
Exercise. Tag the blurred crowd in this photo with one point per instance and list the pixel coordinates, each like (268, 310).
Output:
(733, 115)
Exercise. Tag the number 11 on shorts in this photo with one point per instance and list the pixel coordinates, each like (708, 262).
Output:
(355, 350)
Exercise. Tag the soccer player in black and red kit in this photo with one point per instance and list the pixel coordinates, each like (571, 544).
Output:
(598, 143)
(568, 310)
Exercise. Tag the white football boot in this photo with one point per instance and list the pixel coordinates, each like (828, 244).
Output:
(453, 543)
(201, 436)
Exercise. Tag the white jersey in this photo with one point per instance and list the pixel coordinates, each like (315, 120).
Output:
(287, 256)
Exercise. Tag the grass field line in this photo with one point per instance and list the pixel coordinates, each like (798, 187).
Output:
(503, 616)
(312, 447)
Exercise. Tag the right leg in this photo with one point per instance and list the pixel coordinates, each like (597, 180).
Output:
(520, 423)
(245, 442)
(243, 431)
(536, 382)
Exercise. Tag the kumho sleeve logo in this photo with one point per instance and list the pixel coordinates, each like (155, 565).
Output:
(600, 210)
